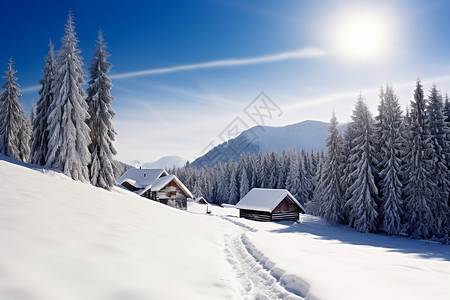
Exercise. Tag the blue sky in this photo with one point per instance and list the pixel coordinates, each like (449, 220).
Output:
(288, 49)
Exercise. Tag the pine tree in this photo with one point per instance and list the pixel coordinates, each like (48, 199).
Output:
(332, 204)
(244, 184)
(100, 111)
(39, 147)
(68, 132)
(439, 130)
(25, 140)
(390, 148)
(418, 187)
(362, 204)
(234, 188)
(348, 168)
(272, 170)
(313, 207)
(14, 130)
(293, 178)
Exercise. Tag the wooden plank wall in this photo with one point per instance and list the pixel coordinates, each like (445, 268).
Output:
(288, 216)
(255, 215)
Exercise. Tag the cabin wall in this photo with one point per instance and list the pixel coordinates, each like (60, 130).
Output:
(285, 216)
(286, 206)
(170, 195)
(173, 196)
(255, 215)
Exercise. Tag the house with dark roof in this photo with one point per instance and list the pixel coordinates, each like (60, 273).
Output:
(270, 205)
(157, 185)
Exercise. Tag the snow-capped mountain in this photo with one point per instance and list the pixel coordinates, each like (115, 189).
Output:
(304, 135)
(165, 162)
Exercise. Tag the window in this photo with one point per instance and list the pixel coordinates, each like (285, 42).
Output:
(171, 193)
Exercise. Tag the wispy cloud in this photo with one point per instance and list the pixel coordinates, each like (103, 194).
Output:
(30, 89)
(352, 94)
(299, 54)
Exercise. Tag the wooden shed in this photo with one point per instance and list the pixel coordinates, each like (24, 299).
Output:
(201, 200)
(270, 205)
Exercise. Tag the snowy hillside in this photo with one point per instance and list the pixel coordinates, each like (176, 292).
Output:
(304, 135)
(63, 239)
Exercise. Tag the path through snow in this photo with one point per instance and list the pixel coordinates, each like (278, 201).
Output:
(259, 277)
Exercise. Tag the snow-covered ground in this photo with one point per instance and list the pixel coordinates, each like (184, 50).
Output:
(61, 239)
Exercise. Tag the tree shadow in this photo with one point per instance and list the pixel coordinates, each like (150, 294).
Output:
(323, 230)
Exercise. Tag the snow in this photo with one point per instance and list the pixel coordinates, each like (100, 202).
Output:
(64, 239)
(335, 262)
(265, 199)
(143, 177)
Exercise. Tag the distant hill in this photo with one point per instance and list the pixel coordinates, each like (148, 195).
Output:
(165, 162)
(304, 135)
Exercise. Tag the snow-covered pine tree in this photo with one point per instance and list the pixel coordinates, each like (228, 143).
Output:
(283, 169)
(234, 187)
(102, 132)
(447, 120)
(332, 203)
(293, 178)
(313, 207)
(244, 184)
(418, 187)
(272, 170)
(348, 168)
(197, 190)
(390, 147)
(259, 170)
(296, 181)
(439, 173)
(39, 147)
(25, 140)
(68, 131)
(362, 205)
(33, 111)
(14, 130)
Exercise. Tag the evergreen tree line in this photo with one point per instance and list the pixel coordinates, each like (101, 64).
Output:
(229, 182)
(387, 174)
(69, 129)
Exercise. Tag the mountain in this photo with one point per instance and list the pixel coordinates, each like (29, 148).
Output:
(304, 135)
(165, 162)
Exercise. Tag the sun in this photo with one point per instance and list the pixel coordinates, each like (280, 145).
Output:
(363, 37)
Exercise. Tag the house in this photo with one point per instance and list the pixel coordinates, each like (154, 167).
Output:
(201, 200)
(157, 185)
(270, 205)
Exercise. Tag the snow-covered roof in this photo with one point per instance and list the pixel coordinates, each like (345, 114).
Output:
(141, 177)
(265, 199)
(201, 198)
(161, 182)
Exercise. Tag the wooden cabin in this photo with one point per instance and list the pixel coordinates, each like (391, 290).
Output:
(157, 185)
(270, 205)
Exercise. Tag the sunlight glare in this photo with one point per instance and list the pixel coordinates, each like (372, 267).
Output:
(363, 37)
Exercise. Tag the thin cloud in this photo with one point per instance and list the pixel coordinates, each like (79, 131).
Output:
(30, 89)
(352, 94)
(302, 53)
